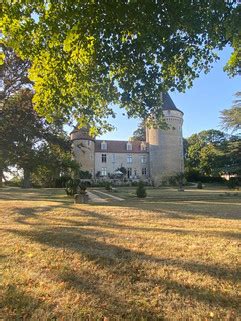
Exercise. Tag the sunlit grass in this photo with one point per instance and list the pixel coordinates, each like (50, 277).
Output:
(172, 256)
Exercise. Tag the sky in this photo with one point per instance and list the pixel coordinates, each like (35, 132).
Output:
(201, 104)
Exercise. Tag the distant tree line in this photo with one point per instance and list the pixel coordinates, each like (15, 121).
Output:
(214, 152)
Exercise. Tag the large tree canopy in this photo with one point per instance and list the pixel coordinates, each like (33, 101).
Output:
(27, 140)
(231, 118)
(212, 152)
(86, 55)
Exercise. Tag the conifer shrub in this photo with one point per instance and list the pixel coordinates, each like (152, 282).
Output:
(108, 186)
(141, 190)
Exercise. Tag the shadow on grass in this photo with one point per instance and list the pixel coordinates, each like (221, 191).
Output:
(96, 219)
(123, 263)
(17, 305)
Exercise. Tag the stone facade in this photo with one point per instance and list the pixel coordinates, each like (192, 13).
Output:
(159, 157)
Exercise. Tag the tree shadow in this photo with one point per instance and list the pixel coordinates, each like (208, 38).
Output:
(115, 258)
(18, 305)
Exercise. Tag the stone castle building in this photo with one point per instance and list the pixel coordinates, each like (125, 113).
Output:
(158, 157)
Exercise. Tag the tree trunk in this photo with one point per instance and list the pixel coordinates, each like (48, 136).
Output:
(1, 177)
(26, 178)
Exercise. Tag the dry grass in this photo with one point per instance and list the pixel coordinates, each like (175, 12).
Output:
(172, 256)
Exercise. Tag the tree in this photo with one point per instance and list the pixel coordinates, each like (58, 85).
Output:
(140, 132)
(86, 55)
(231, 118)
(141, 190)
(29, 142)
(205, 151)
(213, 153)
(14, 75)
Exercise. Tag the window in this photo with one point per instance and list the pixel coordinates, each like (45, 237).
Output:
(143, 159)
(129, 146)
(103, 158)
(103, 145)
(129, 172)
(103, 171)
(135, 172)
(143, 171)
(129, 159)
(113, 158)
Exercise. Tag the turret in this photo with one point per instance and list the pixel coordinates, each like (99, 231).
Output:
(166, 146)
(83, 146)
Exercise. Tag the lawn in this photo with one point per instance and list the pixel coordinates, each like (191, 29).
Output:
(172, 256)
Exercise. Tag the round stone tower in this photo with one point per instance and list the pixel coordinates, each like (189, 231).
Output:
(83, 146)
(166, 146)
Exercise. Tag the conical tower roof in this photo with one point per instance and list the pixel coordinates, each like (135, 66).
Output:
(81, 133)
(168, 103)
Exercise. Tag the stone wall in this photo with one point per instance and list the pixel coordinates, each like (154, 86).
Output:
(83, 151)
(117, 160)
(166, 148)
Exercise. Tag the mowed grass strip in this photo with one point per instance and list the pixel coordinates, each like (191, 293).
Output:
(152, 259)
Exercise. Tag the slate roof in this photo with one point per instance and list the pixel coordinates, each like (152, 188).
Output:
(119, 146)
(168, 103)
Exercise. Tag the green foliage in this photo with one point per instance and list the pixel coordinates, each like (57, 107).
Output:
(85, 175)
(71, 186)
(108, 186)
(88, 55)
(82, 186)
(61, 181)
(28, 141)
(233, 183)
(199, 185)
(141, 190)
(212, 152)
(75, 185)
(140, 133)
(231, 118)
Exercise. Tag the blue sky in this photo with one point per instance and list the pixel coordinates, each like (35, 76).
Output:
(201, 104)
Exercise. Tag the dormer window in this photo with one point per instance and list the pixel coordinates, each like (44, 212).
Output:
(143, 146)
(129, 146)
(103, 145)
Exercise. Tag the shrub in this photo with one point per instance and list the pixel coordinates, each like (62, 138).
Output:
(141, 190)
(173, 181)
(71, 186)
(83, 186)
(61, 181)
(199, 185)
(85, 175)
(108, 186)
(233, 183)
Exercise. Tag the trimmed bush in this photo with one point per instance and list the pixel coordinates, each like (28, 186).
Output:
(141, 190)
